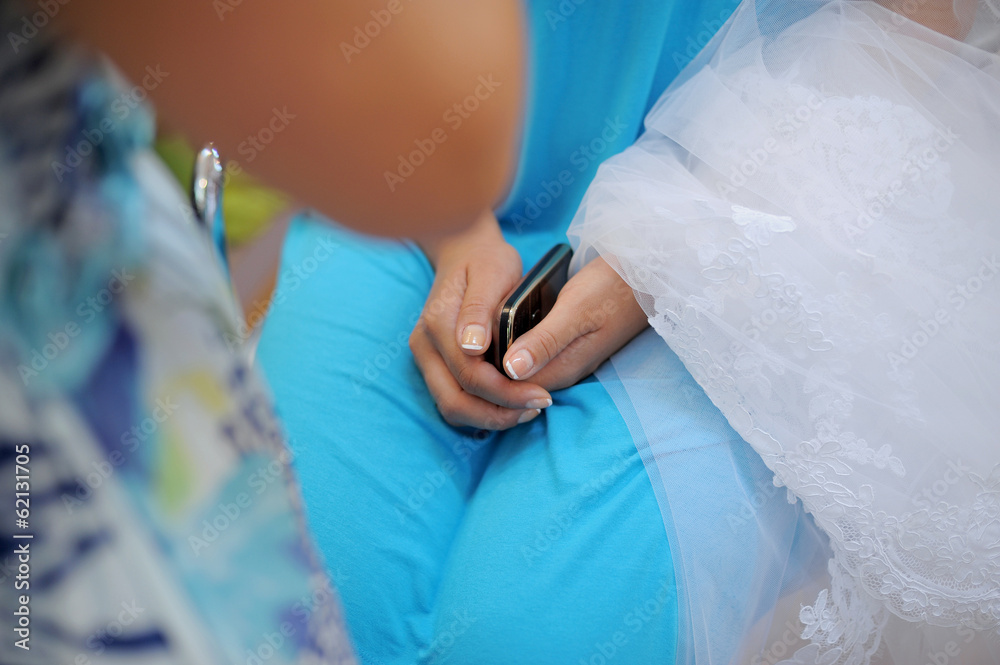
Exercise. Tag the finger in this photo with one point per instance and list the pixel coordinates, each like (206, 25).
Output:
(534, 349)
(487, 286)
(579, 359)
(457, 407)
(616, 322)
(474, 375)
(443, 302)
(478, 377)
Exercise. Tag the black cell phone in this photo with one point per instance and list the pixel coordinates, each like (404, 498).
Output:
(529, 302)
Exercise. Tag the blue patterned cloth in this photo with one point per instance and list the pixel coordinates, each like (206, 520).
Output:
(161, 522)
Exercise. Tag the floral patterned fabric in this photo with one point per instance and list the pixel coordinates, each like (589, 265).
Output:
(158, 520)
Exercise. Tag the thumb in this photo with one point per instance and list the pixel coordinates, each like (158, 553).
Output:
(488, 283)
(535, 348)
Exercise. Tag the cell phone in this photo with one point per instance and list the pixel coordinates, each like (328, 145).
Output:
(529, 302)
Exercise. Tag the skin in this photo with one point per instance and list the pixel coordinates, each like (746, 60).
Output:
(595, 315)
(953, 18)
(228, 71)
(474, 271)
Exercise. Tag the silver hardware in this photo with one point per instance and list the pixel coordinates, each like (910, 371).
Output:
(206, 196)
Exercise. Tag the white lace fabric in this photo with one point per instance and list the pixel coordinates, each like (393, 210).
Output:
(812, 223)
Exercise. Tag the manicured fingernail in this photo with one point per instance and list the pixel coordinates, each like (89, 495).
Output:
(520, 364)
(474, 337)
(528, 415)
(539, 404)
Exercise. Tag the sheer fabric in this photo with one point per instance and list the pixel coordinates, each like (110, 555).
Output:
(810, 222)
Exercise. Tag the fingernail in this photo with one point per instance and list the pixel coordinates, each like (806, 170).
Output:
(528, 415)
(520, 364)
(474, 337)
(539, 404)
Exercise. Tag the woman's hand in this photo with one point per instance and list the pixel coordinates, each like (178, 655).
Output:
(595, 315)
(475, 271)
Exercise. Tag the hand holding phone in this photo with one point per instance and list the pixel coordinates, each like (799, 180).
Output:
(529, 302)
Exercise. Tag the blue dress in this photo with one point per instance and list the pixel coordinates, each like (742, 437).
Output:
(542, 544)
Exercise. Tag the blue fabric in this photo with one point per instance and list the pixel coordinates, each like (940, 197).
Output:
(543, 544)
(538, 545)
(596, 70)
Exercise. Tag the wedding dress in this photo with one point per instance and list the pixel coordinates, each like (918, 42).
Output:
(810, 220)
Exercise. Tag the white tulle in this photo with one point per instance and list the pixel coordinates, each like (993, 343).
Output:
(812, 223)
